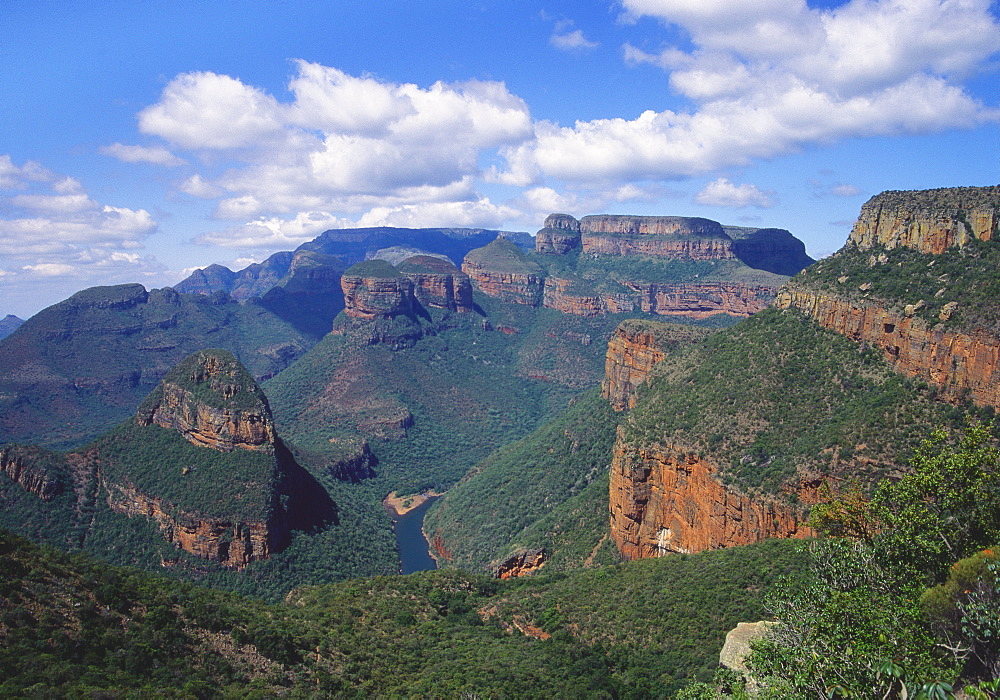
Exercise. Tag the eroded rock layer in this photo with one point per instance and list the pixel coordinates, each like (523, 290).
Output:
(928, 220)
(26, 466)
(701, 300)
(370, 297)
(664, 500)
(231, 543)
(632, 352)
(957, 363)
(438, 283)
(521, 564)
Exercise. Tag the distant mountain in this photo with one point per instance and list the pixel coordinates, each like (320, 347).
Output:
(77, 368)
(9, 324)
(349, 246)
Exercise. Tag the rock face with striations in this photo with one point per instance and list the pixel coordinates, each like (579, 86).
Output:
(375, 289)
(501, 270)
(668, 500)
(559, 235)
(930, 221)
(437, 283)
(666, 236)
(212, 401)
(31, 468)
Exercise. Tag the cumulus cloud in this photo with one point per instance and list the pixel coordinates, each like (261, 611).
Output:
(157, 155)
(723, 193)
(568, 39)
(767, 78)
(53, 229)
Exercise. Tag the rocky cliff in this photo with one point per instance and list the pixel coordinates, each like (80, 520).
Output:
(213, 402)
(33, 469)
(560, 234)
(702, 300)
(230, 542)
(667, 500)
(501, 270)
(666, 236)
(960, 364)
(930, 221)
(521, 564)
(437, 283)
(375, 289)
(634, 349)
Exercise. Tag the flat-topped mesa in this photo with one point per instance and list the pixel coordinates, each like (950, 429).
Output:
(212, 400)
(930, 221)
(501, 270)
(438, 283)
(375, 289)
(665, 236)
(560, 235)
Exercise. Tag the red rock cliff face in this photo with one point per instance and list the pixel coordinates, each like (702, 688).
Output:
(632, 352)
(955, 362)
(558, 295)
(930, 220)
(218, 428)
(377, 297)
(521, 564)
(704, 299)
(233, 544)
(666, 501)
(438, 283)
(514, 287)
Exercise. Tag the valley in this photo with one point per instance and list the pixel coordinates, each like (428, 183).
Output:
(631, 428)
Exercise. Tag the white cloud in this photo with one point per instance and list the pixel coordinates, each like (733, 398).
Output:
(197, 186)
(770, 77)
(572, 40)
(723, 193)
(844, 190)
(275, 233)
(157, 155)
(50, 269)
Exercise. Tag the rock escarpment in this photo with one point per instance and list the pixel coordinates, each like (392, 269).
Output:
(501, 270)
(666, 236)
(375, 289)
(437, 283)
(930, 221)
(668, 500)
(702, 300)
(521, 564)
(33, 469)
(959, 363)
(634, 349)
(560, 234)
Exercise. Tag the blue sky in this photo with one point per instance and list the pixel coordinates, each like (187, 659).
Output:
(141, 140)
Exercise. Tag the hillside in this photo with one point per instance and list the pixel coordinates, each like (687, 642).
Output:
(9, 324)
(80, 366)
(442, 633)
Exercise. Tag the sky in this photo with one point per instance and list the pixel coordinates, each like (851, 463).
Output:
(140, 141)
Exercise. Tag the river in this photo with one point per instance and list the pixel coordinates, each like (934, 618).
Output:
(414, 554)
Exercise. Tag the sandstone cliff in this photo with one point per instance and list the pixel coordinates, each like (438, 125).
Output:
(928, 220)
(667, 500)
(634, 349)
(438, 283)
(521, 564)
(226, 541)
(501, 270)
(375, 289)
(559, 235)
(960, 364)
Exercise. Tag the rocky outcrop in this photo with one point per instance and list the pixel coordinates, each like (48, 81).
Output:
(702, 300)
(32, 469)
(502, 271)
(633, 350)
(521, 564)
(437, 283)
(737, 645)
(560, 234)
(231, 543)
(958, 363)
(375, 289)
(668, 500)
(664, 236)
(930, 221)
(213, 402)
(559, 294)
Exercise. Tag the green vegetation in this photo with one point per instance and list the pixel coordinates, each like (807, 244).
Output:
(70, 627)
(519, 484)
(502, 255)
(372, 268)
(962, 276)
(778, 395)
(213, 378)
(651, 269)
(865, 618)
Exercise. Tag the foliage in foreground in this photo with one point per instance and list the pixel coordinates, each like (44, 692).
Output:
(72, 627)
(883, 611)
